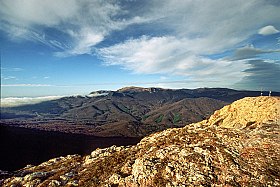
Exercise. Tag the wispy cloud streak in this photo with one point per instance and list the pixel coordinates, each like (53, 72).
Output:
(26, 85)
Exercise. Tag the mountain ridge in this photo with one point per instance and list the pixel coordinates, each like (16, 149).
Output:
(110, 113)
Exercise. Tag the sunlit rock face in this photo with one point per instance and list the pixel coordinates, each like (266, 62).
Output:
(246, 112)
(237, 146)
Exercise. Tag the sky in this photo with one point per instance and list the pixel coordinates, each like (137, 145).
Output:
(66, 47)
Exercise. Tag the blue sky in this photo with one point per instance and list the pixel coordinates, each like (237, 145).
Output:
(70, 47)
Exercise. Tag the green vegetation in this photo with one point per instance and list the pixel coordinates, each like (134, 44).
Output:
(124, 109)
(144, 117)
(177, 118)
(160, 118)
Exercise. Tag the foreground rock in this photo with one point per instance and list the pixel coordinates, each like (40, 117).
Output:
(247, 112)
(237, 146)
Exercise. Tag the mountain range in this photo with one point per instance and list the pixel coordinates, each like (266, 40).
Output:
(129, 112)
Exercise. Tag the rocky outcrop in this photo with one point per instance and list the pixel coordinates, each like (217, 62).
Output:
(209, 153)
(246, 112)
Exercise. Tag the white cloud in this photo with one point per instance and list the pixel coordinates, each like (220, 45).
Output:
(12, 69)
(210, 26)
(46, 77)
(172, 56)
(83, 24)
(85, 41)
(144, 55)
(17, 101)
(26, 85)
(172, 37)
(16, 69)
(249, 52)
(9, 77)
(28, 13)
(196, 29)
(216, 26)
(268, 30)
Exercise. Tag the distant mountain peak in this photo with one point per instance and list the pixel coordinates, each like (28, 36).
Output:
(139, 89)
(100, 92)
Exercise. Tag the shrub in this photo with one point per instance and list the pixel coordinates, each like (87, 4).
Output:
(124, 109)
(160, 118)
(177, 118)
(144, 117)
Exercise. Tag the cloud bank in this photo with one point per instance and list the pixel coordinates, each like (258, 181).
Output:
(17, 101)
(168, 55)
(249, 52)
(261, 74)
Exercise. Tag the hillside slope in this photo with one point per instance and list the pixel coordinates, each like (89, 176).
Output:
(214, 152)
(130, 111)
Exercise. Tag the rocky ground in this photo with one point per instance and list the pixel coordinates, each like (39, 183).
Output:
(237, 146)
